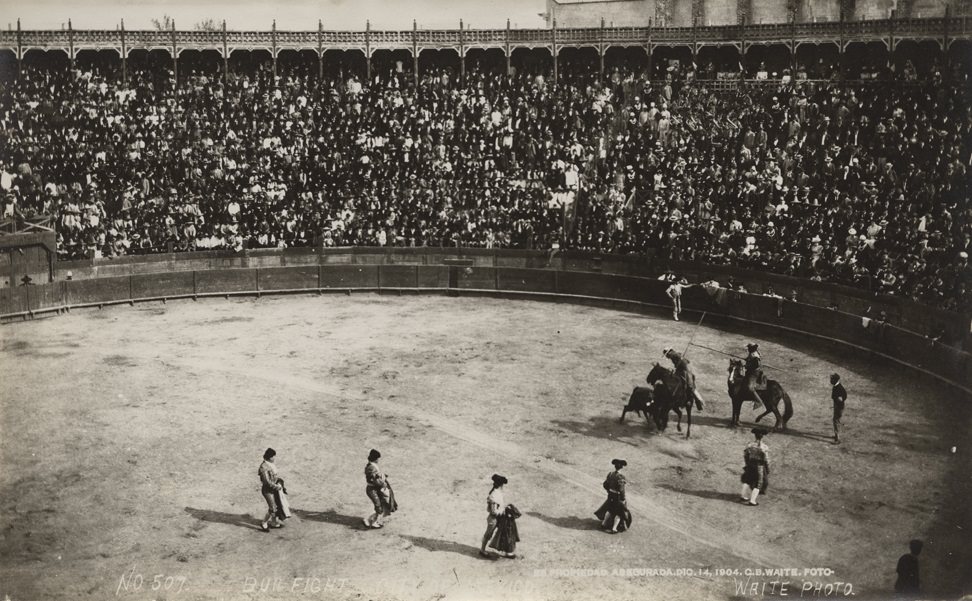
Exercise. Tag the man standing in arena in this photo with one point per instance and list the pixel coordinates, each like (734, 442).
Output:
(269, 485)
(839, 395)
(755, 476)
(674, 292)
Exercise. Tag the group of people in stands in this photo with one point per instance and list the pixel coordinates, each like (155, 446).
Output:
(864, 184)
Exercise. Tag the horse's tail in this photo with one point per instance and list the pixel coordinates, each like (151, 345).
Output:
(787, 406)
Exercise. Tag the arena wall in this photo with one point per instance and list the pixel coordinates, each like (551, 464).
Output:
(770, 11)
(820, 10)
(719, 12)
(609, 281)
(616, 13)
(636, 13)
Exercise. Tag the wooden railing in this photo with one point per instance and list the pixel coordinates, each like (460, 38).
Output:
(936, 28)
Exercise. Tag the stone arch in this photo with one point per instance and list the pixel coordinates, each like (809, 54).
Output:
(712, 61)
(579, 63)
(297, 63)
(920, 56)
(194, 62)
(771, 59)
(668, 59)
(818, 61)
(485, 60)
(633, 59)
(441, 60)
(392, 64)
(250, 62)
(532, 61)
(865, 58)
(46, 60)
(8, 65)
(342, 64)
(959, 56)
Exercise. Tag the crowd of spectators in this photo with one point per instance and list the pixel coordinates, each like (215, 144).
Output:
(861, 184)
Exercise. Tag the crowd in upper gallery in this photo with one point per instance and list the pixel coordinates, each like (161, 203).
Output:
(863, 183)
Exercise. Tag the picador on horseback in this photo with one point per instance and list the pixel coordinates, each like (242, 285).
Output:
(683, 371)
(755, 380)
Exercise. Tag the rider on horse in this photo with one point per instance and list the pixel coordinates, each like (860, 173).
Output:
(683, 371)
(754, 372)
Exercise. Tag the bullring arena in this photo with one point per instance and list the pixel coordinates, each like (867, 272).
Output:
(462, 234)
(131, 436)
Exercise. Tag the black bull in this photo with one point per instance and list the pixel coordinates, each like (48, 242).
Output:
(666, 392)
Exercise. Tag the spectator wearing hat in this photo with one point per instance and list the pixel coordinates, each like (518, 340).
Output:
(613, 513)
(379, 492)
(755, 476)
(839, 395)
(270, 485)
(495, 506)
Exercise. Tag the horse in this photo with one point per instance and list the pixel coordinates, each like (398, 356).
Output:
(771, 396)
(669, 394)
(639, 402)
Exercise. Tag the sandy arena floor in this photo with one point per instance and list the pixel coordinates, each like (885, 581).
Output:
(131, 438)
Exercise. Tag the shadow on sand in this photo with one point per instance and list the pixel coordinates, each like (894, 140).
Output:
(571, 522)
(442, 546)
(330, 517)
(717, 495)
(607, 428)
(219, 517)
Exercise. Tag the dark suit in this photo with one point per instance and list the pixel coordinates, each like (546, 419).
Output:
(839, 395)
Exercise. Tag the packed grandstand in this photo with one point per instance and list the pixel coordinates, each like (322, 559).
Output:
(849, 181)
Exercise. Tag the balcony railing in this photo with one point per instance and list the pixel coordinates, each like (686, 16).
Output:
(930, 28)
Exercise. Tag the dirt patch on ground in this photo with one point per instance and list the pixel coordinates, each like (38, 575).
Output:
(131, 438)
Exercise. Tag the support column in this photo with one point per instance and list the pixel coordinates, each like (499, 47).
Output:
(600, 48)
(368, 51)
(462, 54)
(742, 54)
(695, 44)
(793, 56)
(320, 52)
(124, 53)
(891, 44)
(650, 47)
(415, 54)
(20, 50)
(225, 55)
(840, 45)
(553, 34)
(175, 56)
(71, 43)
(507, 45)
(273, 47)
(946, 62)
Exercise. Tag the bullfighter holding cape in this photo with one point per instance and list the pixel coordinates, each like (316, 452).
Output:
(613, 513)
(379, 491)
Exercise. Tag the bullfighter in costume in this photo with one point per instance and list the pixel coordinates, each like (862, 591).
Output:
(270, 486)
(755, 476)
(684, 371)
(379, 492)
(613, 513)
(495, 508)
